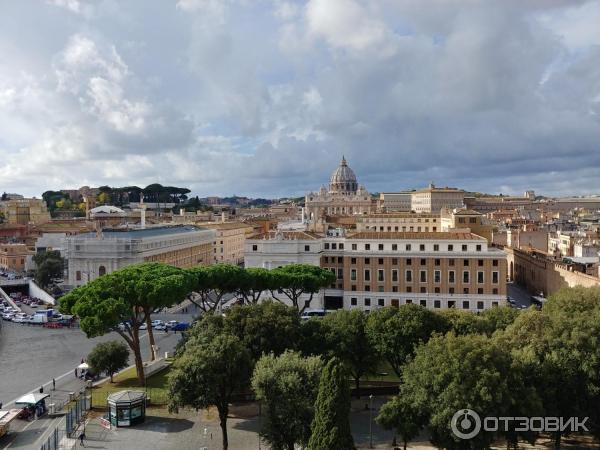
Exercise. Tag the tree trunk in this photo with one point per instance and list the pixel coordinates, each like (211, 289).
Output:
(223, 423)
(557, 440)
(405, 444)
(150, 337)
(357, 386)
(137, 353)
(111, 377)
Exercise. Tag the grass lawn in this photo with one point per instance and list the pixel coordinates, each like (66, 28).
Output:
(156, 387)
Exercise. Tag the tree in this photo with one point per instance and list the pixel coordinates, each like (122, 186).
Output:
(212, 283)
(207, 373)
(49, 265)
(350, 342)
(395, 332)
(122, 300)
(256, 281)
(462, 322)
(495, 319)
(451, 373)
(288, 385)
(331, 426)
(109, 357)
(295, 280)
(264, 328)
(400, 415)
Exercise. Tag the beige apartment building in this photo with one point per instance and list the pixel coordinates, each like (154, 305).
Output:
(14, 257)
(395, 201)
(230, 237)
(92, 255)
(399, 222)
(466, 220)
(377, 269)
(433, 199)
(25, 211)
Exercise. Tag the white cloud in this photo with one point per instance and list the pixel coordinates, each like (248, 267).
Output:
(344, 24)
(71, 5)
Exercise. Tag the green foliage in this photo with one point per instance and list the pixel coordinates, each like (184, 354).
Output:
(294, 280)
(287, 385)
(207, 373)
(256, 281)
(126, 295)
(331, 426)
(109, 357)
(349, 341)
(396, 332)
(559, 347)
(266, 327)
(400, 415)
(211, 283)
(313, 337)
(49, 265)
(451, 372)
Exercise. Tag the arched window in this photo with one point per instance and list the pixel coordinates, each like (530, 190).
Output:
(101, 271)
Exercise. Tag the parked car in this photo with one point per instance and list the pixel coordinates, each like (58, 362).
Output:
(181, 326)
(160, 327)
(157, 322)
(143, 326)
(171, 323)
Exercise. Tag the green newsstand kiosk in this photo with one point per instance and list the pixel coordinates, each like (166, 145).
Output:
(126, 408)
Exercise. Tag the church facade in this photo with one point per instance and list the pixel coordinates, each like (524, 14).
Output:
(344, 197)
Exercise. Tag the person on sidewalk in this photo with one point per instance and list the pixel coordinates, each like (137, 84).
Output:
(75, 372)
(41, 389)
(81, 438)
(53, 384)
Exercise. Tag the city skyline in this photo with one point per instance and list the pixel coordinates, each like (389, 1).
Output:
(262, 98)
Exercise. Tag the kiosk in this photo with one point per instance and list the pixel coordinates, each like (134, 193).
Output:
(126, 408)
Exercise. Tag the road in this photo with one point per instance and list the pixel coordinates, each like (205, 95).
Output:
(32, 355)
(519, 295)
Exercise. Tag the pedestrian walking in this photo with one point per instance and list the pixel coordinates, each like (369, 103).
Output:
(75, 372)
(53, 384)
(41, 389)
(81, 438)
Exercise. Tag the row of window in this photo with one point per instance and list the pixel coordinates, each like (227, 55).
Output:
(422, 289)
(421, 247)
(394, 247)
(408, 275)
(408, 261)
(404, 229)
(466, 304)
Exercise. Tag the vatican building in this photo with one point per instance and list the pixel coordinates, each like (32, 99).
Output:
(345, 197)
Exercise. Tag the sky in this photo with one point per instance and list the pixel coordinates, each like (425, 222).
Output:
(263, 97)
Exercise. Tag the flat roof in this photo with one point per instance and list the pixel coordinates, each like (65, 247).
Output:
(416, 235)
(139, 233)
(287, 235)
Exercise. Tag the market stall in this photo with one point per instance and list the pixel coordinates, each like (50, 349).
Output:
(32, 405)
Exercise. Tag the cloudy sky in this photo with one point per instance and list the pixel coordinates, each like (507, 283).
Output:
(262, 97)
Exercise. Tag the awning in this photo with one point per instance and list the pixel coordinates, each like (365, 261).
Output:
(31, 399)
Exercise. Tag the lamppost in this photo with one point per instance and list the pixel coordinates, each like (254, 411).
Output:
(371, 421)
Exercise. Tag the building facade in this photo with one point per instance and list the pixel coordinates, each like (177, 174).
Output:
(92, 255)
(399, 222)
(376, 269)
(343, 197)
(230, 237)
(14, 257)
(433, 199)
(395, 201)
(25, 211)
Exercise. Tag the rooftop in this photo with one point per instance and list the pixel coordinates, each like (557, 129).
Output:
(375, 235)
(287, 236)
(140, 233)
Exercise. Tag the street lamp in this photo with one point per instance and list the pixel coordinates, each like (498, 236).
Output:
(371, 421)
